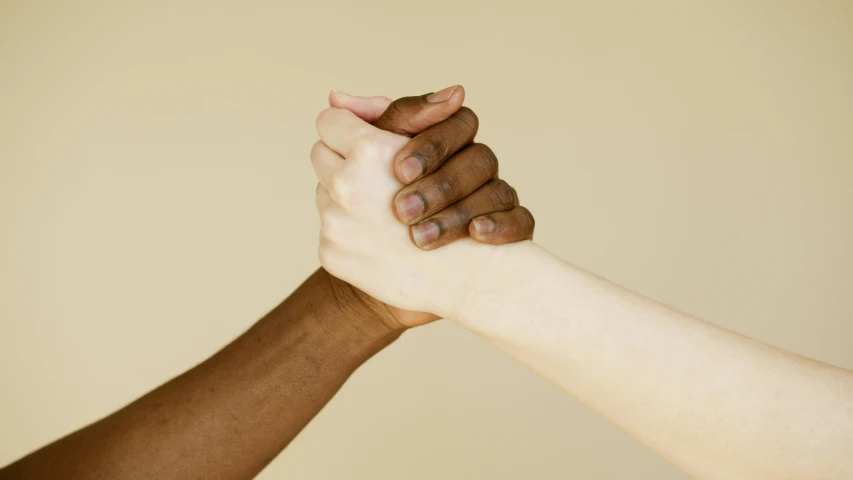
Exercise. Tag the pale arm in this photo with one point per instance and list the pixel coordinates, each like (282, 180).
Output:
(714, 403)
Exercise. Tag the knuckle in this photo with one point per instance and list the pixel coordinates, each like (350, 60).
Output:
(395, 118)
(445, 188)
(451, 221)
(333, 230)
(501, 194)
(368, 148)
(325, 219)
(468, 119)
(484, 159)
(363, 146)
(324, 252)
(316, 149)
(324, 117)
(319, 197)
(327, 256)
(527, 220)
(396, 111)
(519, 225)
(340, 190)
(458, 218)
(329, 224)
(386, 150)
(434, 145)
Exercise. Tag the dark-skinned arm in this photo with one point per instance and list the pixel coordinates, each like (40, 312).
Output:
(228, 417)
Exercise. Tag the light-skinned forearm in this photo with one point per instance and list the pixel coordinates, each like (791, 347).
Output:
(715, 403)
(230, 416)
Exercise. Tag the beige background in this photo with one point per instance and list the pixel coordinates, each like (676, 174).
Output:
(156, 198)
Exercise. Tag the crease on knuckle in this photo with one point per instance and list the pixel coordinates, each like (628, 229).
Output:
(485, 161)
(329, 225)
(501, 195)
(468, 120)
(445, 189)
(528, 220)
(434, 146)
(323, 117)
(395, 119)
(363, 146)
(515, 200)
(340, 190)
(327, 257)
(315, 150)
(319, 199)
(451, 222)
(460, 218)
(400, 117)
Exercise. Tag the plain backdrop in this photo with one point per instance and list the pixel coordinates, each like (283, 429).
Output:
(156, 198)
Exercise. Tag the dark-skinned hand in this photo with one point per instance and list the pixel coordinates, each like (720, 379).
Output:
(452, 186)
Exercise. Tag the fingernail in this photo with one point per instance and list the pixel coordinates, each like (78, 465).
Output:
(442, 95)
(411, 207)
(425, 233)
(411, 168)
(484, 226)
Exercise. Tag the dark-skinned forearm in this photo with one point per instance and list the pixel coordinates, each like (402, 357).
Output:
(231, 415)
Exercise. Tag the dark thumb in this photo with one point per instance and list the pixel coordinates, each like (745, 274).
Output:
(410, 116)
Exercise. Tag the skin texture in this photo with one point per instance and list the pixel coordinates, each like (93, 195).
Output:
(445, 166)
(716, 404)
(231, 415)
(445, 149)
(228, 417)
(355, 165)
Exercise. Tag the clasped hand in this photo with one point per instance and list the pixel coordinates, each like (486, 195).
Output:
(373, 183)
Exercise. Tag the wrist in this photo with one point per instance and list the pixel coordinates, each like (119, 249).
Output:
(343, 316)
(464, 275)
(345, 307)
(500, 271)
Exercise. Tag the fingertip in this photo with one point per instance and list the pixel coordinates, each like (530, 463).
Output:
(395, 209)
(499, 228)
(338, 99)
(444, 110)
(408, 168)
(335, 98)
(482, 227)
(458, 96)
(366, 108)
(445, 94)
(450, 105)
(425, 234)
(322, 118)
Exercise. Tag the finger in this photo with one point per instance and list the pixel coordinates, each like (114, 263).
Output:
(366, 108)
(452, 223)
(460, 176)
(503, 227)
(340, 129)
(326, 162)
(410, 116)
(322, 199)
(428, 151)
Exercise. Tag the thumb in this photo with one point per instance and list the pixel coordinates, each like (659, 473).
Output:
(365, 108)
(410, 116)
